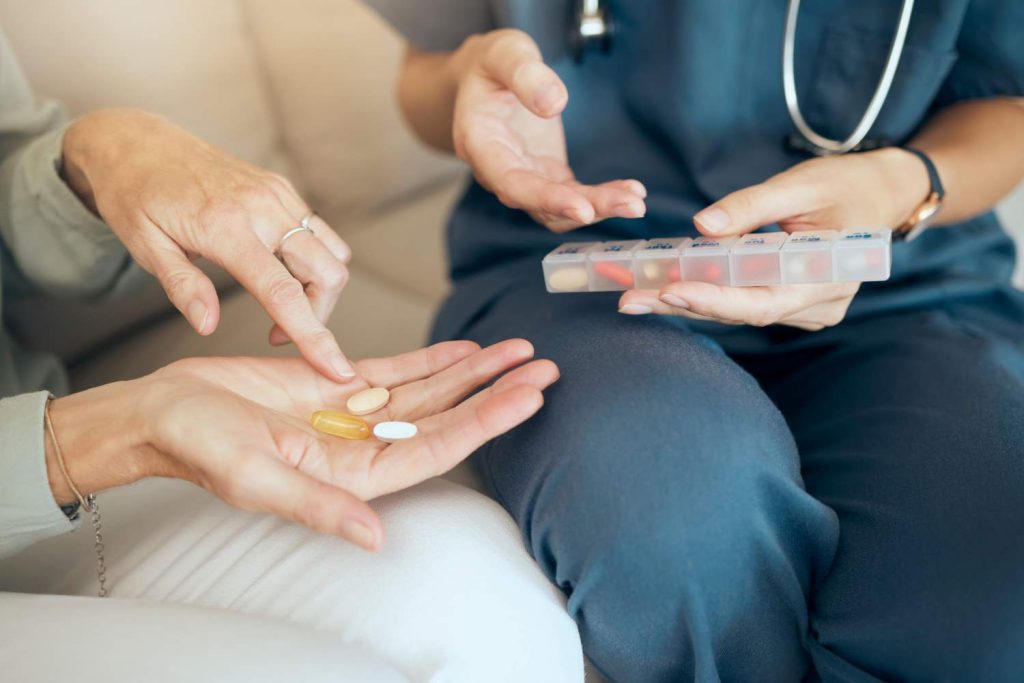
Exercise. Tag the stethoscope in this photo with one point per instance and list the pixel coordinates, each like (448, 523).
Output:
(595, 26)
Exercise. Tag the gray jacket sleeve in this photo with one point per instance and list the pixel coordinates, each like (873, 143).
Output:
(28, 512)
(55, 243)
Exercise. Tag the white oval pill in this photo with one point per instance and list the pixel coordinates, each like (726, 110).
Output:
(390, 432)
(368, 401)
(568, 279)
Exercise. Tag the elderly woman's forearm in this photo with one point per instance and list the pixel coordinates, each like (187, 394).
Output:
(102, 438)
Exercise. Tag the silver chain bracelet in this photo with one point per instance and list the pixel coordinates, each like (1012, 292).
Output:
(87, 503)
(101, 562)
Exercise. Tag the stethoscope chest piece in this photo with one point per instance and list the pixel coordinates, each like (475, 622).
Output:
(591, 25)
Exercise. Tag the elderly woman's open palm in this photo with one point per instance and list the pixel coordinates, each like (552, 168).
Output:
(240, 427)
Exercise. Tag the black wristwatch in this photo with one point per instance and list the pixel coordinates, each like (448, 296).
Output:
(924, 214)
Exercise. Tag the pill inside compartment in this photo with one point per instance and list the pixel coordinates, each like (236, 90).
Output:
(656, 262)
(565, 268)
(863, 255)
(756, 259)
(610, 266)
(807, 257)
(706, 259)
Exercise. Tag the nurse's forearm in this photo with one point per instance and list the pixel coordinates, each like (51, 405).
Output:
(978, 148)
(426, 95)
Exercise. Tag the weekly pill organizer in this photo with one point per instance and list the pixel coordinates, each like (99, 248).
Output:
(760, 258)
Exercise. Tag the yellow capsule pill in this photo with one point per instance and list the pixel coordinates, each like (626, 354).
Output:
(336, 423)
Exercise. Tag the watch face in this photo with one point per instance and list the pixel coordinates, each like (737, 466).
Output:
(922, 218)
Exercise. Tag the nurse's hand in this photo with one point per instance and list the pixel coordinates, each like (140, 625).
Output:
(171, 197)
(879, 188)
(507, 126)
(239, 427)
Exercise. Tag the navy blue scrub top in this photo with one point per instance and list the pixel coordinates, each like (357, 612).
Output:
(690, 102)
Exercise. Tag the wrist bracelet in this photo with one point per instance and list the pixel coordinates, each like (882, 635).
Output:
(86, 502)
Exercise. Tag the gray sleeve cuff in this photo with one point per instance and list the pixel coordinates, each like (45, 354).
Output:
(28, 512)
(57, 243)
(436, 25)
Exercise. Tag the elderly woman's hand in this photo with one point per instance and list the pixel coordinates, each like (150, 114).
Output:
(170, 197)
(239, 427)
(879, 188)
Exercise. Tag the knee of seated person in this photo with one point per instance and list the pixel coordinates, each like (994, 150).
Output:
(658, 414)
(689, 460)
(481, 609)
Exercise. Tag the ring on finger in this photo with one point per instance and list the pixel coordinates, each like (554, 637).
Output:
(303, 226)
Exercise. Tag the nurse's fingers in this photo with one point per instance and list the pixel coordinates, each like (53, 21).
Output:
(612, 200)
(519, 189)
(753, 207)
(757, 306)
(514, 60)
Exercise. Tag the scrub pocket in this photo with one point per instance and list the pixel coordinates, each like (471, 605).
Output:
(850, 64)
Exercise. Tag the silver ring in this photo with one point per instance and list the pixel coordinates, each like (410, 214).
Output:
(303, 226)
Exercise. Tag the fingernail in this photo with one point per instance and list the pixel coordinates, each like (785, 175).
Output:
(578, 216)
(198, 315)
(713, 219)
(342, 367)
(634, 209)
(636, 309)
(548, 97)
(639, 189)
(673, 300)
(361, 535)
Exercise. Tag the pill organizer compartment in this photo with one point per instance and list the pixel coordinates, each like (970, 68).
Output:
(706, 259)
(807, 257)
(862, 255)
(565, 268)
(610, 266)
(756, 259)
(656, 262)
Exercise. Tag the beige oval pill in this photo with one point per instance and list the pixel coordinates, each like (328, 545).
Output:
(368, 401)
(568, 279)
(390, 432)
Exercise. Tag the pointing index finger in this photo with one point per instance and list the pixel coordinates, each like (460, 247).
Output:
(284, 299)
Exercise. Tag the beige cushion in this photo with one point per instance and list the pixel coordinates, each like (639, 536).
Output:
(331, 66)
(405, 245)
(187, 59)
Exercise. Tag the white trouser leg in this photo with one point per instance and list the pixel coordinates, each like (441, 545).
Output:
(59, 638)
(452, 597)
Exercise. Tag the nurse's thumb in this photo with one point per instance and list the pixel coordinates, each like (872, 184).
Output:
(515, 61)
(748, 209)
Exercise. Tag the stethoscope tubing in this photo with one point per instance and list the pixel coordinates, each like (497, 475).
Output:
(591, 9)
(874, 108)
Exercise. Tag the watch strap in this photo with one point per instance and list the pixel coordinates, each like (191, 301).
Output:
(933, 173)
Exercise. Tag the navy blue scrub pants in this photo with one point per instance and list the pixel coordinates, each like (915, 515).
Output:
(765, 505)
